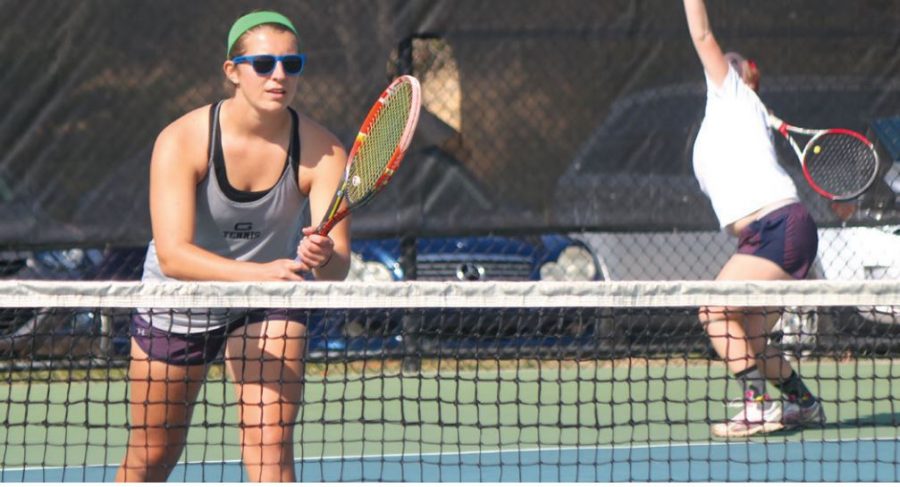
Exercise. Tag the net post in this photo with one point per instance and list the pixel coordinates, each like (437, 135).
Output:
(404, 56)
(411, 321)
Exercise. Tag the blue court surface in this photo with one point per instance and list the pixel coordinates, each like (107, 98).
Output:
(872, 460)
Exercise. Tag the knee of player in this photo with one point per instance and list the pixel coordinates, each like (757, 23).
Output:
(271, 437)
(150, 458)
(711, 314)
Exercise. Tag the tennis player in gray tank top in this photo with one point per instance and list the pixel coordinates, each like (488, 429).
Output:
(258, 227)
(231, 186)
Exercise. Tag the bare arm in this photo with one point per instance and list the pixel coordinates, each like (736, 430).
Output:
(323, 163)
(177, 165)
(708, 49)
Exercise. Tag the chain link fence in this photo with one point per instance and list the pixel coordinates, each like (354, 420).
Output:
(555, 140)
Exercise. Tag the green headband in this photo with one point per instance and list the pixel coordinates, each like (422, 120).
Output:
(252, 20)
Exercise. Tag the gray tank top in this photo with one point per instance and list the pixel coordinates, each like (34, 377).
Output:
(258, 226)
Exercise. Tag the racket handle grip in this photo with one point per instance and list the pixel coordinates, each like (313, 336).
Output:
(323, 230)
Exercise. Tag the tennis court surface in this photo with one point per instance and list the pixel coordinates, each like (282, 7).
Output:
(491, 382)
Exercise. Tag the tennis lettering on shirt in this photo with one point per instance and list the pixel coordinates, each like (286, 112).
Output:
(242, 231)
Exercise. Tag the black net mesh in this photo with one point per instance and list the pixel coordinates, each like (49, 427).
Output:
(453, 382)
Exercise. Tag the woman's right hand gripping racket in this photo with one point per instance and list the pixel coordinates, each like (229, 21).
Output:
(839, 164)
(378, 150)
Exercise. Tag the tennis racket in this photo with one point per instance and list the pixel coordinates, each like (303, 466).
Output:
(378, 149)
(839, 164)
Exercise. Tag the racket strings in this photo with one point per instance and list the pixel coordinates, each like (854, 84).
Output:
(841, 164)
(376, 150)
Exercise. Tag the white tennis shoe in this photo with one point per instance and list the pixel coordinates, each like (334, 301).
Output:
(796, 416)
(758, 416)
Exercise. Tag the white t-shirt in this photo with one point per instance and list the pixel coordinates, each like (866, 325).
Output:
(734, 156)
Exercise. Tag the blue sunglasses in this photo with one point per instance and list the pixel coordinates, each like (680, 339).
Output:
(264, 64)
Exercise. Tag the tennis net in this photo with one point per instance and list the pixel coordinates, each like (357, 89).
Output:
(467, 381)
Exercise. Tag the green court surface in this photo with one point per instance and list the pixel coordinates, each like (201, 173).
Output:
(373, 411)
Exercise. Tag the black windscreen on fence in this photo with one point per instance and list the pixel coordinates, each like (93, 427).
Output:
(538, 116)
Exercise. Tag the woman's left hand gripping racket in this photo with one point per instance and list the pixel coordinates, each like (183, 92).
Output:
(839, 164)
(378, 150)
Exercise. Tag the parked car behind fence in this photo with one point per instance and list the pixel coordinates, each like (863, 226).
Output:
(46, 334)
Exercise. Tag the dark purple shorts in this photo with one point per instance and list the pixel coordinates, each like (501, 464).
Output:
(199, 348)
(787, 236)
